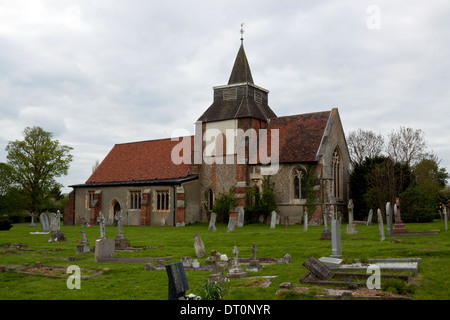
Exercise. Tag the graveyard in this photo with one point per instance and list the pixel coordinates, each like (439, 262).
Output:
(264, 262)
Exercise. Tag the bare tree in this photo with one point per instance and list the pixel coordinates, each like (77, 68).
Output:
(406, 145)
(364, 144)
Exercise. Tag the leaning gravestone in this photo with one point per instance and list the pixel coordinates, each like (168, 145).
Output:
(318, 269)
(369, 219)
(199, 246)
(212, 223)
(43, 219)
(177, 281)
(380, 225)
(231, 224)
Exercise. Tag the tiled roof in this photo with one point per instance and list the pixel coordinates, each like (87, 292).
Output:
(300, 136)
(139, 161)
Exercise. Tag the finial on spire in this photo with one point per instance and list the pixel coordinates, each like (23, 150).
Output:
(242, 33)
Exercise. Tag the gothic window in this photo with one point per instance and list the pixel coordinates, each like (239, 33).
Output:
(299, 184)
(91, 199)
(135, 199)
(162, 200)
(336, 167)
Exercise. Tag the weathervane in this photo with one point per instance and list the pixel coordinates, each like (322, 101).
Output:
(242, 33)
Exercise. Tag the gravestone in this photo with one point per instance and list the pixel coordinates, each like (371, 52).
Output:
(399, 227)
(187, 261)
(163, 222)
(445, 217)
(273, 220)
(254, 264)
(101, 220)
(305, 220)
(32, 224)
(104, 249)
(231, 224)
(326, 232)
(199, 246)
(57, 235)
(120, 240)
(83, 246)
(177, 281)
(240, 222)
(389, 219)
(351, 227)
(380, 224)
(336, 248)
(212, 223)
(43, 219)
(394, 214)
(369, 219)
(318, 269)
(53, 222)
(236, 271)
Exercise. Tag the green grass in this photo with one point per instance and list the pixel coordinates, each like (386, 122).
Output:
(131, 281)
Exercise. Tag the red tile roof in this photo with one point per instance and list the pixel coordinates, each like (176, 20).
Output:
(300, 135)
(140, 161)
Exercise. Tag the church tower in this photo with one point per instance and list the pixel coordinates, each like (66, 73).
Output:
(240, 104)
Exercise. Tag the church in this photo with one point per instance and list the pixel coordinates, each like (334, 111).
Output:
(238, 141)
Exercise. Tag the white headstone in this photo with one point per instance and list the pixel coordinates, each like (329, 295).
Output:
(240, 222)
(305, 220)
(388, 219)
(231, 224)
(369, 219)
(273, 220)
(445, 217)
(380, 225)
(43, 219)
(336, 249)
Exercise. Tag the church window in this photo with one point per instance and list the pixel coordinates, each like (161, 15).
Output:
(135, 199)
(299, 185)
(162, 200)
(91, 199)
(210, 199)
(336, 167)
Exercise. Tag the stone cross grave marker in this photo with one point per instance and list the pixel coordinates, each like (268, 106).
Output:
(178, 284)
(254, 264)
(43, 219)
(380, 224)
(212, 223)
(101, 220)
(83, 246)
(119, 218)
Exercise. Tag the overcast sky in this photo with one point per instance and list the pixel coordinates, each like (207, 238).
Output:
(97, 73)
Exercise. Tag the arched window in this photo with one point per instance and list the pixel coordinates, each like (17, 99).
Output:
(299, 184)
(336, 167)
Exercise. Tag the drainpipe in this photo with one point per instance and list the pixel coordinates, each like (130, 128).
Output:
(174, 206)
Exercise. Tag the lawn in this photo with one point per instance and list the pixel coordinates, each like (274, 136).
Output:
(130, 281)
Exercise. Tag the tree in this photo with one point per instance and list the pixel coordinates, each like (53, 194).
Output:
(364, 144)
(406, 145)
(36, 162)
(223, 204)
(260, 203)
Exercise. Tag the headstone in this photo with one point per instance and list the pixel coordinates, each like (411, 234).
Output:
(254, 264)
(177, 281)
(212, 223)
(326, 232)
(273, 220)
(199, 246)
(351, 227)
(187, 261)
(369, 219)
(83, 246)
(231, 224)
(104, 249)
(101, 220)
(32, 224)
(445, 217)
(380, 224)
(399, 227)
(305, 220)
(389, 219)
(57, 235)
(236, 270)
(43, 219)
(394, 214)
(163, 222)
(240, 222)
(318, 269)
(53, 222)
(336, 248)
(120, 241)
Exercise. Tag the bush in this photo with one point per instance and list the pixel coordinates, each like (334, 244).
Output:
(5, 224)
(223, 204)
